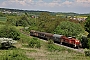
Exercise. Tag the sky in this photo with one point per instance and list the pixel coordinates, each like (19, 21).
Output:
(77, 6)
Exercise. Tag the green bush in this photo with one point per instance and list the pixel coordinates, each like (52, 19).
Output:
(50, 42)
(52, 47)
(69, 29)
(87, 53)
(34, 43)
(84, 42)
(89, 43)
(9, 32)
(24, 38)
(38, 45)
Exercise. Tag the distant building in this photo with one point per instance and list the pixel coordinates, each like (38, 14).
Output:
(78, 18)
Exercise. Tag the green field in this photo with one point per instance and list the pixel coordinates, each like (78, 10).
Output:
(3, 19)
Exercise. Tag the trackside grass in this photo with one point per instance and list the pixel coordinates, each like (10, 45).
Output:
(14, 54)
(55, 52)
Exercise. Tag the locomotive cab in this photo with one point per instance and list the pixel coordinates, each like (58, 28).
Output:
(74, 42)
(77, 43)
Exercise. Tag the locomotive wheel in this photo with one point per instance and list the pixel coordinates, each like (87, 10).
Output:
(61, 43)
(75, 46)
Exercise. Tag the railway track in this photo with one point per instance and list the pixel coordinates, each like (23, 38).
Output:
(80, 50)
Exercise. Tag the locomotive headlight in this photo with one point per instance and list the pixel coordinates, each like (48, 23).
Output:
(77, 41)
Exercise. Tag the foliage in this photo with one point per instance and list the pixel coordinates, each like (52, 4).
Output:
(2, 15)
(89, 43)
(34, 43)
(33, 28)
(52, 47)
(87, 53)
(87, 28)
(87, 25)
(50, 42)
(24, 38)
(12, 20)
(9, 32)
(69, 29)
(84, 42)
(47, 22)
(23, 21)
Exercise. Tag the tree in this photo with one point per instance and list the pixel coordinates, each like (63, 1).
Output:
(69, 29)
(47, 22)
(23, 21)
(2, 15)
(87, 25)
(11, 20)
(42, 21)
(87, 28)
(34, 43)
(84, 42)
(9, 32)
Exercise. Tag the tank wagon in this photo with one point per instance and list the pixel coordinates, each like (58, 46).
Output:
(58, 38)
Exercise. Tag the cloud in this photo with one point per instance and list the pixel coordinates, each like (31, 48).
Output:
(67, 3)
(16, 2)
(82, 3)
(56, 5)
(41, 3)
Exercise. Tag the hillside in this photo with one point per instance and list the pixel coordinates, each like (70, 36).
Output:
(23, 51)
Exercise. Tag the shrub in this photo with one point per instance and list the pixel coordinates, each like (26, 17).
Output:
(87, 53)
(52, 47)
(34, 43)
(50, 42)
(84, 42)
(9, 32)
(89, 43)
(69, 29)
(38, 45)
